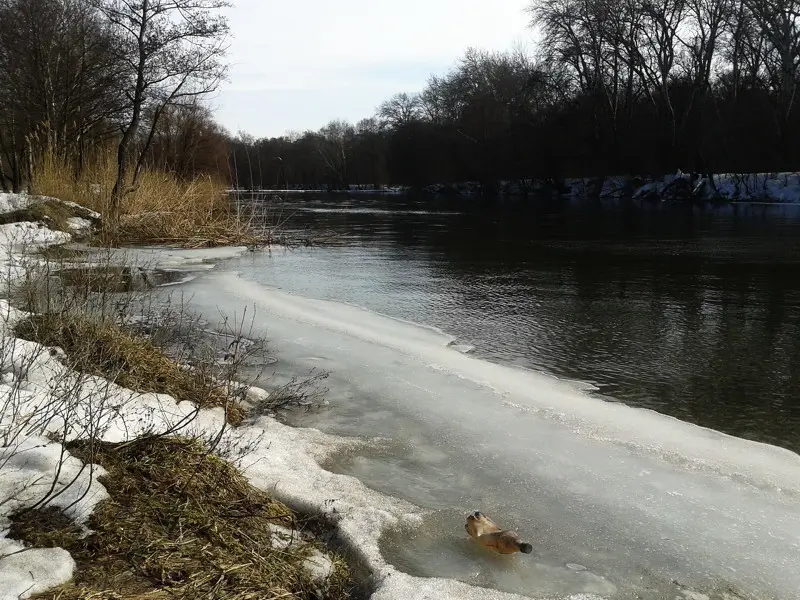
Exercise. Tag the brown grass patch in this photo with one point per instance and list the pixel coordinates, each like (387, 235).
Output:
(163, 209)
(180, 524)
(100, 347)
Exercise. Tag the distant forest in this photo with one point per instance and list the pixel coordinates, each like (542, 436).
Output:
(612, 87)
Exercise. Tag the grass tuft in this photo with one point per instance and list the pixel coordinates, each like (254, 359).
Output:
(47, 527)
(101, 347)
(182, 524)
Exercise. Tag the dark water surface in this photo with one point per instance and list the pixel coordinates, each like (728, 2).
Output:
(690, 311)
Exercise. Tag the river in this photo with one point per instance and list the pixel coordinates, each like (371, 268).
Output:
(503, 352)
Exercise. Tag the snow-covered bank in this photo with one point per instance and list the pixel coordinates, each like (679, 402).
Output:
(731, 187)
(679, 186)
(31, 466)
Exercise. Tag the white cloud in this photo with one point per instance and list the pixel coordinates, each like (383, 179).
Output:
(299, 63)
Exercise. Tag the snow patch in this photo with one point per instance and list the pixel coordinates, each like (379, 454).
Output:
(32, 571)
(87, 213)
(11, 202)
(22, 235)
(79, 225)
(732, 187)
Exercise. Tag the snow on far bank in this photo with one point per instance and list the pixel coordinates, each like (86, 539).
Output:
(772, 187)
(731, 187)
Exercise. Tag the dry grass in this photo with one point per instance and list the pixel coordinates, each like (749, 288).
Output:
(162, 210)
(100, 347)
(59, 254)
(179, 524)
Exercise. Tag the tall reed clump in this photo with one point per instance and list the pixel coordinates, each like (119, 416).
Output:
(163, 209)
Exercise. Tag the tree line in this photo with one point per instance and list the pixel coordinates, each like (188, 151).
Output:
(612, 87)
(125, 78)
(641, 87)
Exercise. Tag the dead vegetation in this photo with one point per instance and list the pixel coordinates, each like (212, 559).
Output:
(180, 524)
(53, 214)
(162, 209)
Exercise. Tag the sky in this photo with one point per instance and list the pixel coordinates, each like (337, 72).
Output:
(298, 64)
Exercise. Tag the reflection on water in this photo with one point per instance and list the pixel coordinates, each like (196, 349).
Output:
(691, 311)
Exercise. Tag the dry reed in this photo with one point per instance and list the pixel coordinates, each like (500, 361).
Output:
(163, 209)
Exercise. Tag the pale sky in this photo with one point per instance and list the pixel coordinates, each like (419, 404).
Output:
(297, 64)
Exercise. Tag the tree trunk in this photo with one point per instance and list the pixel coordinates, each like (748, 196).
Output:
(3, 177)
(137, 173)
(16, 169)
(29, 162)
(120, 190)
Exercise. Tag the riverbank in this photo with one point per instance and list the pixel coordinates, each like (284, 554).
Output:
(86, 463)
(109, 476)
(678, 186)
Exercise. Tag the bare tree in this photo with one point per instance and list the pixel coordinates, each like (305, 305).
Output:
(707, 24)
(599, 41)
(663, 21)
(172, 51)
(742, 48)
(779, 24)
(59, 80)
(399, 110)
(335, 140)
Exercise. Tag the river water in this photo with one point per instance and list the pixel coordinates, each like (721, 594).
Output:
(441, 324)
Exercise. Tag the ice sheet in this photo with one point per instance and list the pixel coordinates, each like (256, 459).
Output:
(638, 498)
